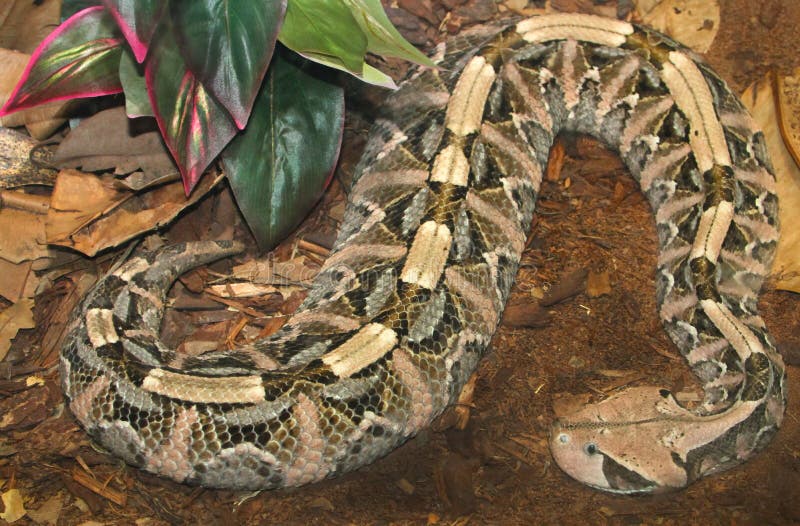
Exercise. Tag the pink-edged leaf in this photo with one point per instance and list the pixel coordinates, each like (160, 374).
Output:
(79, 59)
(138, 20)
(228, 46)
(194, 125)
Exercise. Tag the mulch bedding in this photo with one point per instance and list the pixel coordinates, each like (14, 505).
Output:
(591, 255)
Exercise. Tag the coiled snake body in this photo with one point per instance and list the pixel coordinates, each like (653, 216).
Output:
(406, 304)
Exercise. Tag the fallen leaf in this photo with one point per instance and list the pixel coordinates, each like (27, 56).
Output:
(15, 508)
(90, 213)
(48, 512)
(760, 99)
(23, 23)
(110, 141)
(17, 280)
(788, 90)
(16, 317)
(22, 235)
(694, 23)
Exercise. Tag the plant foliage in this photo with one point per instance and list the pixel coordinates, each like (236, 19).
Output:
(199, 68)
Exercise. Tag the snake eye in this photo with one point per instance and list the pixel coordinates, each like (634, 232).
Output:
(591, 448)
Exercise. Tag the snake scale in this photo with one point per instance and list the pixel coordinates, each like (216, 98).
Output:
(435, 224)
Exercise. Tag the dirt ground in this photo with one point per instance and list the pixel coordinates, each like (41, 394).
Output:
(498, 470)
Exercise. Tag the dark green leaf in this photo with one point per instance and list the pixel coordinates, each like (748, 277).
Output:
(79, 59)
(279, 165)
(194, 125)
(138, 20)
(228, 46)
(382, 37)
(131, 75)
(325, 28)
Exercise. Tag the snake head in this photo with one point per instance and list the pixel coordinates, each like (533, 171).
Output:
(622, 444)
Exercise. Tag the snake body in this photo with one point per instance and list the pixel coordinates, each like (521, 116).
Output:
(435, 224)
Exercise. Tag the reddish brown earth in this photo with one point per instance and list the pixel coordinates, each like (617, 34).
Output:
(498, 470)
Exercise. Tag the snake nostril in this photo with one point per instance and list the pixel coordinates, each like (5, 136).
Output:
(563, 438)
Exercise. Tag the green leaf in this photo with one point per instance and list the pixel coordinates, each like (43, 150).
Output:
(377, 77)
(131, 75)
(194, 125)
(228, 46)
(382, 37)
(280, 164)
(80, 58)
(367, 74)
(324, 28)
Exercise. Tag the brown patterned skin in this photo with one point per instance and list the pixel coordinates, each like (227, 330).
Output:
(406, 305)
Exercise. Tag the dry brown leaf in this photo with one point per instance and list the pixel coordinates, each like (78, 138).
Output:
(40, 121)
(17, 280)
(78, 199)
(48, 512)
(788, 89)
(12, 320)
(760, 100)
(24, 23)
(110, 141)
(14, 507)
(694, 23)
(90, 213)
(22, 235)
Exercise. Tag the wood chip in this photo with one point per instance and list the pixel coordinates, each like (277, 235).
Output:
(84, 479)
(555, 161)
